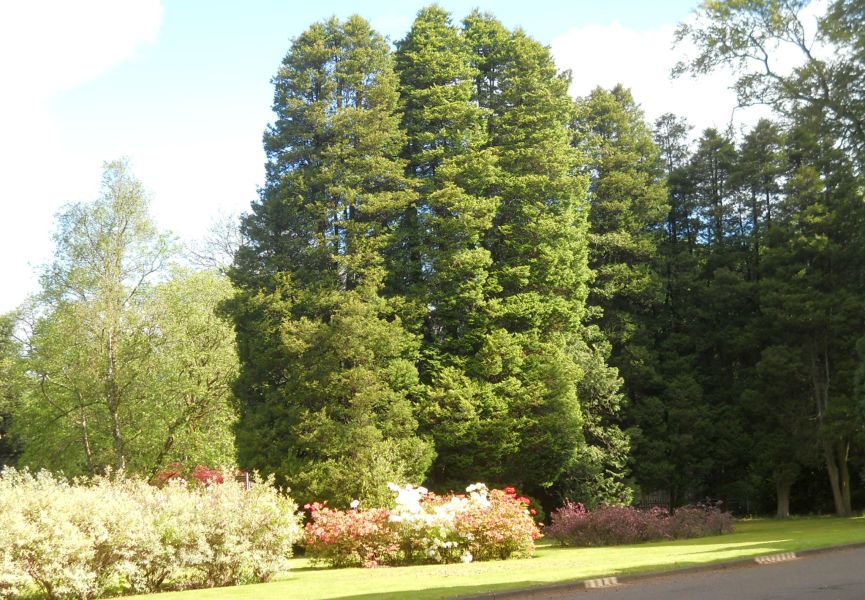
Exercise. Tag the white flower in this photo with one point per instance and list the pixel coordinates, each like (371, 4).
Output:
(354, 503)
(467, 557)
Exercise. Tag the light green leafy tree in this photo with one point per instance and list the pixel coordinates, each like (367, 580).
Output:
(750, 35)
(126, 366)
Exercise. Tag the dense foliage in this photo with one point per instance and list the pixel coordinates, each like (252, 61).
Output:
(413, 297)
(88, 538)
(586, 304)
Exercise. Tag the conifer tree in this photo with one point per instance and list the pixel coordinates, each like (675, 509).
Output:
(512, 414)
(627, 212)
(328, 370)
(812, 290)
(446, 156)
(628, 207)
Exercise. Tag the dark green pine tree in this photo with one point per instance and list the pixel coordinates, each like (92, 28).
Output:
(775, 402)
(439, 261)
(812, 291)
(758, 173)
(512, 415)
(628, 207)
(328, 371)
(600, 472)
(667, 415)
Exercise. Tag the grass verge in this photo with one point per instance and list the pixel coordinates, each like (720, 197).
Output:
(551, 564)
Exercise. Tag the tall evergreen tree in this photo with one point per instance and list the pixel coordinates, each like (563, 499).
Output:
(455, 172)
(506, 294)
(628, 207)
(627, 211)
(812, 289)
(526, 373)
(760, 167)
(328, 373)
(665, 415)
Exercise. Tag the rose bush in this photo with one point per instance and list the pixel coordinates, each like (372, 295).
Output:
(87, 538)
(424, 527)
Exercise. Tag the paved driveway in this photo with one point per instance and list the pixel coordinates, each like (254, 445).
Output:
(837, 575)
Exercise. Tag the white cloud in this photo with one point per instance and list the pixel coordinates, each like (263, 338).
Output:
(47, 47)
(603, 56)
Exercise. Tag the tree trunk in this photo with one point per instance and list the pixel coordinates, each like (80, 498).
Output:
(843, 449)
(835, 455)
(85, 440)
(782, 493)
(114, 406)
(839, 479)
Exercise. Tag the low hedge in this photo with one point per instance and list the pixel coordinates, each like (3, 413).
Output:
(573, 525)
(118, 534)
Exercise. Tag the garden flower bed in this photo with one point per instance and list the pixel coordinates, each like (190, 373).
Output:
(424, 528)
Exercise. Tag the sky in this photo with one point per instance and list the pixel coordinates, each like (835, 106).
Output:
(182, 88)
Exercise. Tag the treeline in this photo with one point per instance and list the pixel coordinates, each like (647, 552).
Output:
(750, 388)
(456, 272)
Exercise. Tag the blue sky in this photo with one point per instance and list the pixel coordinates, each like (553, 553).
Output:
(182, 87)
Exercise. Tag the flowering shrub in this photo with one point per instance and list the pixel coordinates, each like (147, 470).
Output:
(500, 530)
(88, 538)
(573, 525)
(350, 538)
(424, 528)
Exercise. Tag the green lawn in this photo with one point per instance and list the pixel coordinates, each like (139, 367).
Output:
(551, 564)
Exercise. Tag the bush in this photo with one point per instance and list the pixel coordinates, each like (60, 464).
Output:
(424, 528)
(87, 538)
(699, 520)
(573, 525)
(503, 529)
(351, 538)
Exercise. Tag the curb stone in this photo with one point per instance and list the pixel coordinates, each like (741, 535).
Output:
(775, 558)
(604, 582)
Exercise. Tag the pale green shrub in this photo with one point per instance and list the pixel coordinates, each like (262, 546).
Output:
(84, 539)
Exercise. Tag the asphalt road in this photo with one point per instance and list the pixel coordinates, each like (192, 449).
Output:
(837, 575)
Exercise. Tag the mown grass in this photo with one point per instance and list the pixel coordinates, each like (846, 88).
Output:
(551, 564)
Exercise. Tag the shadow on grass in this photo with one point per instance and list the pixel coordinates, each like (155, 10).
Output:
(739, 547)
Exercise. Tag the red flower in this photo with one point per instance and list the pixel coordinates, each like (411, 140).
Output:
(510, 491)
(524, 500)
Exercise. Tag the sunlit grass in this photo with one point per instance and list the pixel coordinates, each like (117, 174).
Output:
(551, 564)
